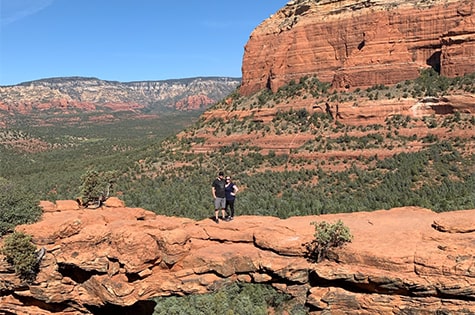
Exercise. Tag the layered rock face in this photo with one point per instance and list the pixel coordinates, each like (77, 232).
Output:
(401, 261)
(360, 43)
(91, 94)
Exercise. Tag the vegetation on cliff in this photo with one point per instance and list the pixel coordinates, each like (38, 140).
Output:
(327, 235)
(20, 252)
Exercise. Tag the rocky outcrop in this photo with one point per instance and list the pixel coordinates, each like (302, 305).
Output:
(91, 94)
(404, 260)
(194, 102)
(360, 43)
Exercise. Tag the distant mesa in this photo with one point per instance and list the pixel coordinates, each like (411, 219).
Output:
(79, 94)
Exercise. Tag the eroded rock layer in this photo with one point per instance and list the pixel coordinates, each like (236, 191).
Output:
(360, 43)
(401, 261)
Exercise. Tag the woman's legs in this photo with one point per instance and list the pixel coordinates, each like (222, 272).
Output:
(230, 203)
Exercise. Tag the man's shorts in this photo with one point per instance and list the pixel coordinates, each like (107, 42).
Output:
(219, 203)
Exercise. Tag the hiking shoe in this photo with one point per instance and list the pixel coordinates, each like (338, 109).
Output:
(216, 220)
(230, 218)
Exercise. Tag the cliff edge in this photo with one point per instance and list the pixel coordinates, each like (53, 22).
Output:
(403, 260)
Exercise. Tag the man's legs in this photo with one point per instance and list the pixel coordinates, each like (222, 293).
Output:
(219, 203)
(217, 206)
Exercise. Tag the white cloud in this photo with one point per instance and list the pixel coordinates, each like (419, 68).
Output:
(14, 10)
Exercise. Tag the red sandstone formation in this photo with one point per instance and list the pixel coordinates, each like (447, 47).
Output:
(360, 43)
(408, 260)
(364, 112)
(194, 102)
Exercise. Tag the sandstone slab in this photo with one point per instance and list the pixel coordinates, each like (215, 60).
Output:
(405, 259)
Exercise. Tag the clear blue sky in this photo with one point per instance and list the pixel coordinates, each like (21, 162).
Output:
(126, 40)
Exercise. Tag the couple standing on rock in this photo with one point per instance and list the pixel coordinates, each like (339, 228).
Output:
(224, 193)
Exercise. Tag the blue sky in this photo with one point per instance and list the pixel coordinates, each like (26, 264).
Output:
(126, 40)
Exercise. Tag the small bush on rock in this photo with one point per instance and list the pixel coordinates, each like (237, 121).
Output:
(21, 253)
(327, 235)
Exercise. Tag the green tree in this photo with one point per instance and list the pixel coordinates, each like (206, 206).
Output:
(96, 186)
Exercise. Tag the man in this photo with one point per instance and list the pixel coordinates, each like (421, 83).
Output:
(219, 196)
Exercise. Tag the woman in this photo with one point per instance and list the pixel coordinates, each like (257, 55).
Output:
(231, 189)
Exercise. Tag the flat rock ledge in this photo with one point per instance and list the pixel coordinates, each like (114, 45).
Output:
(406, 260)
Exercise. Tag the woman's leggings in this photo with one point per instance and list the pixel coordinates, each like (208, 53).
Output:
(230, 203)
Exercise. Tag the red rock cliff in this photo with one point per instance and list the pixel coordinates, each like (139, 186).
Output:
(401, 261)
(360, 43)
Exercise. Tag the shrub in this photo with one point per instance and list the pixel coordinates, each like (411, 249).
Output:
(235, 298)
(21, 253)
(96, 186)
(327, 236)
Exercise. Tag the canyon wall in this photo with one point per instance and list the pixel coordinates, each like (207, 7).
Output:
(360, 43)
